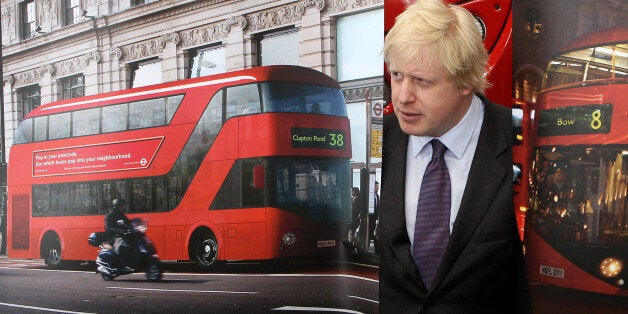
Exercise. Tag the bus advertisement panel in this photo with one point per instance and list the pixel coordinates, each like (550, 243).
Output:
(245, 165)
(577, 226)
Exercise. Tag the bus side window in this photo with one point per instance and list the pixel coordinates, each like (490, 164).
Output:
(114, 118)
(243, 99)
(59, 126)
(85, 122)
(41, 128)
(24, 132)
(41, 195)
(147, 113)
(60, 200)
(172, 104)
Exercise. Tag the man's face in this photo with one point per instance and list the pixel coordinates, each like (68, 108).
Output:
(426, 102)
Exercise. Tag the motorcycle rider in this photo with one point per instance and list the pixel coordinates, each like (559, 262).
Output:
(116, 224)
(112, 227)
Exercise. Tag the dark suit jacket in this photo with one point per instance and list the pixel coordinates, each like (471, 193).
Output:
(482, 268)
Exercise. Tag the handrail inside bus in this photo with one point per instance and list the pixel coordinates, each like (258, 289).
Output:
(606, 81)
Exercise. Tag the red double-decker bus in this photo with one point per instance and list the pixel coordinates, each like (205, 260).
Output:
(521, 153)
(577, 221)
(246, 165)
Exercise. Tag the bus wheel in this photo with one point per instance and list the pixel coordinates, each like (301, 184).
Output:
(51, 251)
(204, 250)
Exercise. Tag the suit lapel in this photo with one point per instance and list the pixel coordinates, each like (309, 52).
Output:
(394, 226)
(485, 178)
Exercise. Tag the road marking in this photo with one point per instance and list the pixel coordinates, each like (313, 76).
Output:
(365, 299)
(274, 275)
(314, 309)
(184, 290)
(40, 308)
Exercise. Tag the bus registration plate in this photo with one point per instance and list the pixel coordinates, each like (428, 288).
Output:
(552, 271)
(327, 243)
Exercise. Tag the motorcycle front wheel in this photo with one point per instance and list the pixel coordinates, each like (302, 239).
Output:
(153, 272)
(106, 277)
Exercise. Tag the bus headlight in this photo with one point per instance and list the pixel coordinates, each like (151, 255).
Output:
(610, 267)
(481, 26)
(288, 239)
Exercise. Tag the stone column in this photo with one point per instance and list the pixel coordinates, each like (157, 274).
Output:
(235, 49)
(169, 68)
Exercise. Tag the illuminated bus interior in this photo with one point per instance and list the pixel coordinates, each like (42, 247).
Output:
(580, 195)
(589, 66)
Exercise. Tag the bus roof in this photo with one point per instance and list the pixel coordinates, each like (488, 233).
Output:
(597, 38)
(277, 73)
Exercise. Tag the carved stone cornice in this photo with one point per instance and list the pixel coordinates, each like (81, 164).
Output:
(284, 15)
(8, 79)
(145, 49)
(340, 6)
(94, 56)
(116, 52)
(204, 35)
(239, 21)
(358, 94)
(70, 66)
(29, 77)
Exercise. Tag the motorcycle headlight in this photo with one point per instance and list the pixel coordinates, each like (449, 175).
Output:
(142, 228)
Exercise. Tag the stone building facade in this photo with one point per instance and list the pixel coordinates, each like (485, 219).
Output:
(51, 47)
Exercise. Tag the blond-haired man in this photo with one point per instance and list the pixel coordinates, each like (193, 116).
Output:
(449, 240)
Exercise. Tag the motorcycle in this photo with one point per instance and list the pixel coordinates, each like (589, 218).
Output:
(132, 252)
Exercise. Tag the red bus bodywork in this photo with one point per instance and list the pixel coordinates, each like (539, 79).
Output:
(521, 153)
(577, 224)
(251, 233)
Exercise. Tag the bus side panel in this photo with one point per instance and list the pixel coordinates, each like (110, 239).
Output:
(157, 236)
(551, 265)
(311, 237)
(245, 241)
(20, 222)
(174, 248)
(226, 144)
(74, 244)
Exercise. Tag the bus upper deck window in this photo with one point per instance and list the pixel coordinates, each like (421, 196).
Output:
(24, 132)
(306, 98)
(242, 100)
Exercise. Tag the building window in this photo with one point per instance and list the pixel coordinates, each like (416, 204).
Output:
(72, 12)
(30, 98)
(279, 48)
(207, 61)
(145, 73)
(72, 86)
(27, 19)
(359, 56)
(140, 2)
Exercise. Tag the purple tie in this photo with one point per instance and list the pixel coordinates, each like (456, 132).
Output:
(431, 231)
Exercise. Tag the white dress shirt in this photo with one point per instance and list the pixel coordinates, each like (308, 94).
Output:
(461, 142)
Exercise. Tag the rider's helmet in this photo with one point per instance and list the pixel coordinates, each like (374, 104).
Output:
(118, 204)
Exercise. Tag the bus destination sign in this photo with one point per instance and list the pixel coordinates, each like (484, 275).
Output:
(318, 138)
(573, 120)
